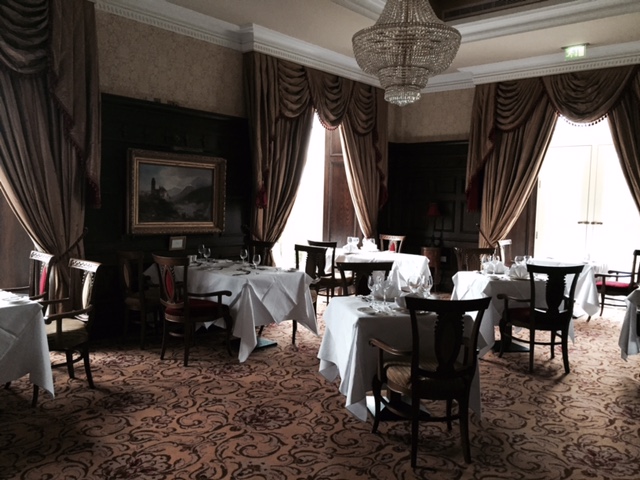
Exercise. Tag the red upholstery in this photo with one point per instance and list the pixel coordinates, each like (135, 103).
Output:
(614, 284)
(169, 285)
(42, 287)
(197, 308)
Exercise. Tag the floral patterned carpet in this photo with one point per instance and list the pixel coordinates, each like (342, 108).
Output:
(276, 417)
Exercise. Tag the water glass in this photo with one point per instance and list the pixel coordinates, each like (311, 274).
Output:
(206, 253)
(427, 284)
(244, 254)
(256, 260)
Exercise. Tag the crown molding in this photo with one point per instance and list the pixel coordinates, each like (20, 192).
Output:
(161, 14)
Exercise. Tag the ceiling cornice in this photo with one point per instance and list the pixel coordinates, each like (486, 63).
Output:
(162, 14)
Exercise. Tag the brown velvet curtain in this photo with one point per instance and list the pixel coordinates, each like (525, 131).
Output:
(49, 118)
(281, 97)
(512, 124)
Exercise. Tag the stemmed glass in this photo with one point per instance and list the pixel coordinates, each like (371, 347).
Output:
(427, 283)
(206, 253)
(519, 260)
(244, 254)
(201, 250)
(256, 260)
(414, 283)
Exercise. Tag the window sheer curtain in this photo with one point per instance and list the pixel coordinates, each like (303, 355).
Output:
(281, 97)
(50, 120)
(512, 124)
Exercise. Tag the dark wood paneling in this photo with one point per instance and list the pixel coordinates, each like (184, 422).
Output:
(421, 173)
(129, 123)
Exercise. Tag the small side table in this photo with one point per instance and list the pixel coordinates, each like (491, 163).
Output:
(433, 254)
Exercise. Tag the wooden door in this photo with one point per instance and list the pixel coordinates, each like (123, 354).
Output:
(340, 219)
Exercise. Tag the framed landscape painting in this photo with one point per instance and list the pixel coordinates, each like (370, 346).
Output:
(172, 193)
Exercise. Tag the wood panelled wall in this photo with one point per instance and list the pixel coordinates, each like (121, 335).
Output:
(129, 123)
(422, 173)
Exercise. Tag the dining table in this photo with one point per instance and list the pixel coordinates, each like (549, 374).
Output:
(629, 340)
(23, 342)
(345, 351)
(405, 264)
(475, 284)
(259, 296)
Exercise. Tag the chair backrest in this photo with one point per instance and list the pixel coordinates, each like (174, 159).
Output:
(40, 265)
(470, 258)
(131, 272)
(261, 248)
(391, 242)
(331, 247)
(635, 268)
(449, 336)
(559, 302)
(173, 275)
(505, 251)
(82, 274)
(361, 272)
(314, 258)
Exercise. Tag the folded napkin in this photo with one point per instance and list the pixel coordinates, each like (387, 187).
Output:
(499, 268)
(518, 271)
(393, 287)
(350, 248)
(369, 247)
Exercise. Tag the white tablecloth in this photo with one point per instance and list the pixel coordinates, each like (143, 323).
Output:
(261, 297)
(23, 344)
(629, 341)
(345, 349)
(468, 285)
(406, 264)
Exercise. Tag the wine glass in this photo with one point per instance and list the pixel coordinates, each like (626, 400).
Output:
(427, 284)
(201, 250)
(256, 260)
(244, 254)
(206, 253)
(519, 259)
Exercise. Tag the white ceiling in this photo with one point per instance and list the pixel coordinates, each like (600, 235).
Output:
(514, 43)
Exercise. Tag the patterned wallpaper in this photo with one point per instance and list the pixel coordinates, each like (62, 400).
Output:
(149, 63)
(140, 61)
(441, 116)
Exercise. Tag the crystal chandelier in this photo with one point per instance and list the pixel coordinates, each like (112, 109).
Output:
(406, 46)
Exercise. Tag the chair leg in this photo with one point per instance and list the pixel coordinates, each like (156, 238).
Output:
(601, 303)
(376, 387)
(463, 410)
(34, 398)
(228, 323)
(415, 423)
(87, 366)
(449, 410)
(187, 343)
(165, 334)
(69, 356)
(553, 343)
(532, 340)
(565, 350)
(294, 329)
(143, 327)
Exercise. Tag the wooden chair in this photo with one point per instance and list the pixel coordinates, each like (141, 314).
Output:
(137, 293)
(616, 283)
(392, 243)
(554, 318)
(40, 264)
(356, 275)
(69, 331)
(443, 371)
(470, 258)
(330, 278)
(183, 309)
(314, 266)
(261, 248)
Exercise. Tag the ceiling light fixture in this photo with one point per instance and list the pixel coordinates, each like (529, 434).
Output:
(406, 46)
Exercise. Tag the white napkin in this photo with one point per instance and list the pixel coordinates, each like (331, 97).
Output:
(499, 268)
(393, 290)
(369, 246)
(350, 248)
(518, 271)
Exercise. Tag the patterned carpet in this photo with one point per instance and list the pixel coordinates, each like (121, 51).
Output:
(274, 417)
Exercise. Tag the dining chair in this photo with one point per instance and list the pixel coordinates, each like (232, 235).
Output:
(330, 278)
(356, 275)
(616, 283)
(314, 265)
(183, 309)
(69, 328)
(393, 243)
(40, 265)
(138, 294)
(555, 317)
(471, 258)
(440, 370)
(261, 248)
